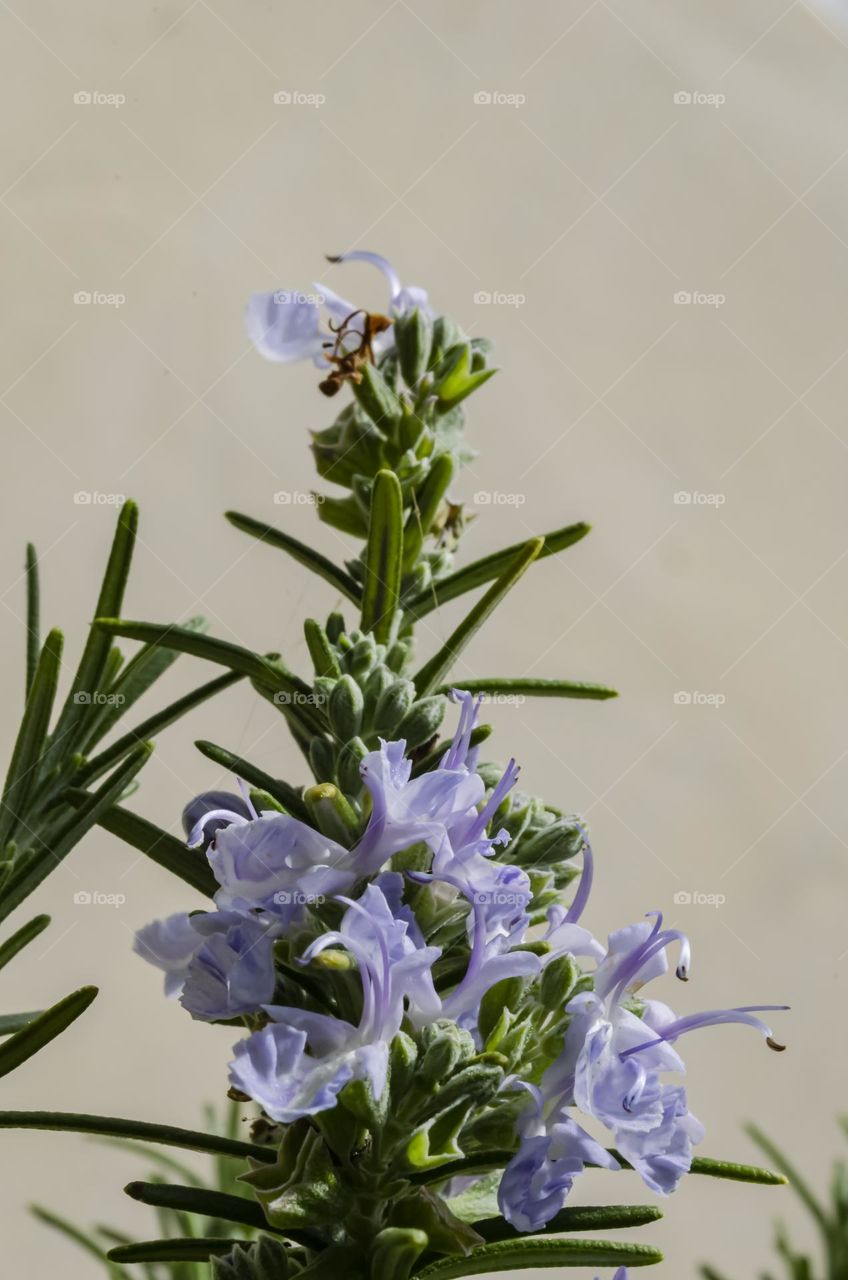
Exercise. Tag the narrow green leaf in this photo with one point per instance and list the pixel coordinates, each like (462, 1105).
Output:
(788, 1173)
(42, 861)
(212, 1204)
(287, 796)
(737, 1172)
(125, 688)
(33, 595)
(46, 1027)
(433, 672)
(299, 551)
(113, 1127)
(484, 570)
(95, 655)
(32, 735)
(512, 1256)
(321, 651)
(12, 1022)
(383, 556)
(530, 688)
(428, 500)
(154, 724)
(24, 936)
(608, 1217)
(265, 669)
(197, 1249)
(162, 848)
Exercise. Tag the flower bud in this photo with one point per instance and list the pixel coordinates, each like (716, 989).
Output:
(345, 709)
(392, 706)
(422, 721)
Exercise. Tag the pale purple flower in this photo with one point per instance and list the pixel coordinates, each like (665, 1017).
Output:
(537, 1180)
(220, 964)
(273, 862)
(232, 971)
(286, 325)
(298, 1065)
(169, 945)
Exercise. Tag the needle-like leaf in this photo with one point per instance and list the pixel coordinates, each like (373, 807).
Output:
(299, 551)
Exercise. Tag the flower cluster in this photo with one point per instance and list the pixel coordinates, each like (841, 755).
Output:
(331, 956)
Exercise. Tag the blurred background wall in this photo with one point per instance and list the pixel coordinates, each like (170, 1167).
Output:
(644, 203)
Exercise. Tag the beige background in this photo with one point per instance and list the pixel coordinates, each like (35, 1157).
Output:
(597, 199)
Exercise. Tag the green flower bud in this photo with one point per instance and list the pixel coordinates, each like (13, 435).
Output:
(446, 1046)
(398, 655)
(507, 994)
(413, 340)
(377, 398)
(360, 659)
(377, 684)
(555, 843)
(422, 721)
(558, 981)
(345, 709)
(395, 1252)
(335, 627)
(392, 706)
(477, 1083)
(347, 767)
